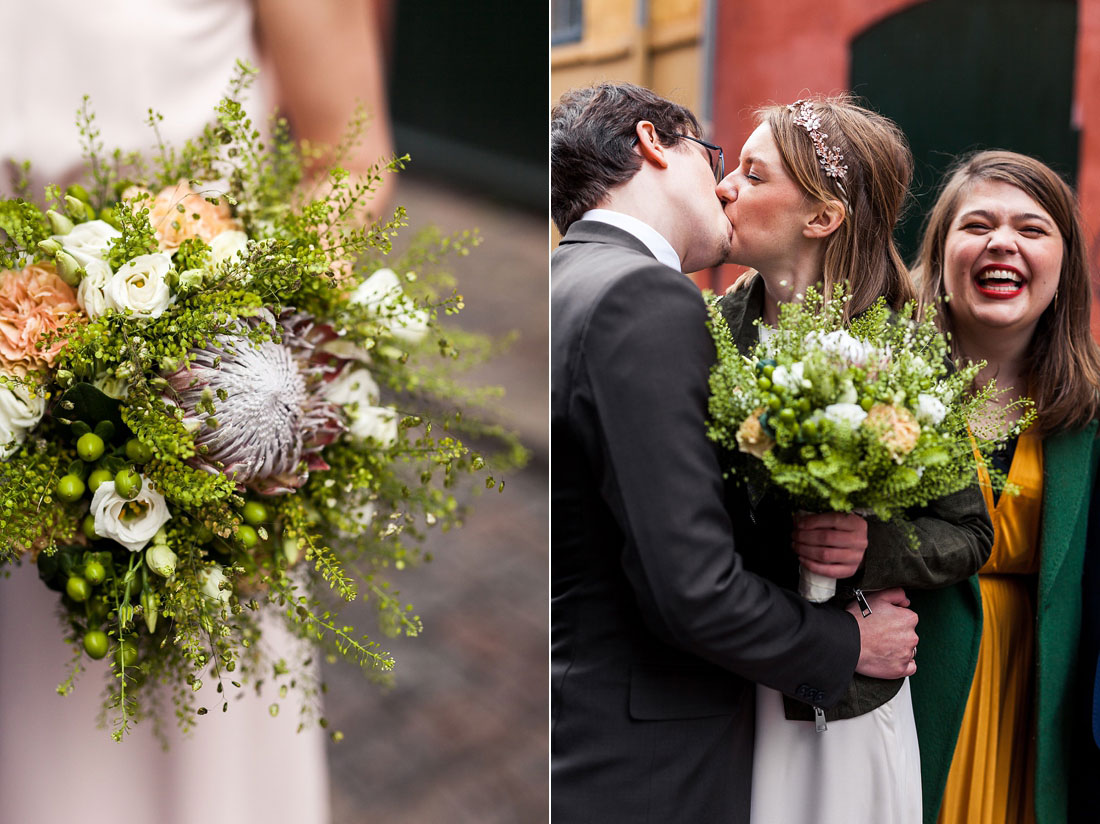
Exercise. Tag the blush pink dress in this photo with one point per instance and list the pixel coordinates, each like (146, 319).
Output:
(55, 763)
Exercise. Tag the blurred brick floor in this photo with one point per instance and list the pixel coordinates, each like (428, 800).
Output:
(462, 735)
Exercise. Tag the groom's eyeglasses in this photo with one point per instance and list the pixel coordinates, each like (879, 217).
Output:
(714, 154)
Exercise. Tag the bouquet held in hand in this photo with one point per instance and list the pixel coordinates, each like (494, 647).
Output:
(867, 417)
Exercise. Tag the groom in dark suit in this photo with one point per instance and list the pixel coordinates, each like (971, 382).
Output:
(658, 632)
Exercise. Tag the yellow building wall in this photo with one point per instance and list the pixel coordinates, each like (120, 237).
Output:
(665, 53)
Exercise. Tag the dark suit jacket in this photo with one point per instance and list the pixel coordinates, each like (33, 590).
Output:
(657, 630)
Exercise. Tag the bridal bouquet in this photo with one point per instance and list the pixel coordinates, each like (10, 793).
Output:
(867, 417)
(216, 404)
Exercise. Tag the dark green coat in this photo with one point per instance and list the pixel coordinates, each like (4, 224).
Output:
(950, 632)
(954, 536)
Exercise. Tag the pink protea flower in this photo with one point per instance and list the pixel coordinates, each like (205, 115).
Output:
(274, 419)
(33, 302)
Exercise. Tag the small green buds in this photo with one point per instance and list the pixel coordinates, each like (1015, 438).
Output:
(60, 224)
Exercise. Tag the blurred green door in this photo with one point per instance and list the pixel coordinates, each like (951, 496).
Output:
(468, 87)
(959, 75)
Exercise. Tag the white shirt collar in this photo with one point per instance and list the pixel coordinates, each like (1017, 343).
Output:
(653, 240)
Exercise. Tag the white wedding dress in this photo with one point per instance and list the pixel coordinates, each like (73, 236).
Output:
(55, 764)
(862, 769)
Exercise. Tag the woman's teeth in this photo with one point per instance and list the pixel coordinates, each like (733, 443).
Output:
(1000, 280)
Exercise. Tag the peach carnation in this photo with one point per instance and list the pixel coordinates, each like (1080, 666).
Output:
(200, 218)
(897, 427)
(33, 303)
(751, 436)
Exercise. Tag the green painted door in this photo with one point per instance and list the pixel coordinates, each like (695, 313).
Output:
(959, 75)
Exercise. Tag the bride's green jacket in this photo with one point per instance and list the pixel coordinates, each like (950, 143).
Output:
(950, 630)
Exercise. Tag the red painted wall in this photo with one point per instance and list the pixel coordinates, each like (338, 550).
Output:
(767, 51)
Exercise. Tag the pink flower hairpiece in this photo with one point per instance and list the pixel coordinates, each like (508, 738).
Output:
(830, 157)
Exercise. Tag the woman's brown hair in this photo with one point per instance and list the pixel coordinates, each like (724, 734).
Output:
(873, 191)
(1063, 362)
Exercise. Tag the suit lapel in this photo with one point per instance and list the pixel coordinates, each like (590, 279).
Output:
(595, 231)
(1067, 473)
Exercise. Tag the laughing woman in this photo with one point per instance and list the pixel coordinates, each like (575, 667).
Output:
(1005, 242)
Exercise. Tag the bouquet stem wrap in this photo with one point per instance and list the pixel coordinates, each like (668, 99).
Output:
(814, 586)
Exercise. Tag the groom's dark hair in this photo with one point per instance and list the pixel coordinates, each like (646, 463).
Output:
(592, 142)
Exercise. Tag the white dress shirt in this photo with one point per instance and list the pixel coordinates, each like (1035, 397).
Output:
(653, 240)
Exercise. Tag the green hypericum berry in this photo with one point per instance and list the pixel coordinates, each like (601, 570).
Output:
(77, 588)
(97, 477)
(94, 572)
(95, 643)
(89, 527)
(89, 446)
(127, 484)
(866, 402)
(138, 452)
(70, 488)
(247, 536)
(254, 513)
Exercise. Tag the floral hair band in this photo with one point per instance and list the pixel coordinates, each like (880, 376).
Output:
(830, 157)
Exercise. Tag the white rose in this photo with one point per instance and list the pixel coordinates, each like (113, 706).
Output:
(396, 311)
(215, 585)
(789, 379)
(139, 286)
(228, 244)
(20, 411)
(355, 390)
(840, 343)
(930, 409)
(849, 414)
(90, 294)
(130, 523)
(88, 241)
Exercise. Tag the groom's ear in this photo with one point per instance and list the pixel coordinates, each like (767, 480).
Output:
(649, 144)
(825, 219)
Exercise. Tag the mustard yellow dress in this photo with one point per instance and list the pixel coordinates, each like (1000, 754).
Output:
(992, 774)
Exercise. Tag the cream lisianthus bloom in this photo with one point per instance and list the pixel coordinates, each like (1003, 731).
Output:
(228, 244)
(215, 584)
(21, 409)
(930, 409)
(131, 523)
(140, 286)
(355, 390)
(88, 241)
(89, 294)
(395, 309)
(848, 414)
